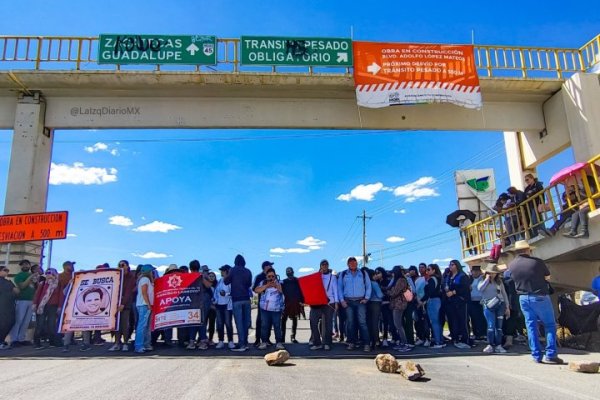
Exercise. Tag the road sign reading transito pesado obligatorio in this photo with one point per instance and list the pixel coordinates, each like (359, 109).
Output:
(296, 51)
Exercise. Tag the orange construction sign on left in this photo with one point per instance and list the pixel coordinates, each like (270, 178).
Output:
(32, 227)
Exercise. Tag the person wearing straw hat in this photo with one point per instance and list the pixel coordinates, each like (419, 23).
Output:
(531, 276)
(495, 305)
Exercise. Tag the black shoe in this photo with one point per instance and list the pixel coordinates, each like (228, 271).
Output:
(555, 360)
(294, 340)
(569, 234)
(582, 235)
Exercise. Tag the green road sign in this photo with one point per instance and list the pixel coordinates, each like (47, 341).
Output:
(262, 50)
(157, 49)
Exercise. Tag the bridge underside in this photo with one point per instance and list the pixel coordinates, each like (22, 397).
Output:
(259, 101)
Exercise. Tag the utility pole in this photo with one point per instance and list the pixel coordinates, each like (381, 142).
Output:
(364, 220)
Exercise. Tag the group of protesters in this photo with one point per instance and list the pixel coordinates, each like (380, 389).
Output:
(365, 308)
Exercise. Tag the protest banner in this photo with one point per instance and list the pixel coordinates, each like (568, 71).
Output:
(177, 301)
(313, 290)
(92, 301)
(388, 74)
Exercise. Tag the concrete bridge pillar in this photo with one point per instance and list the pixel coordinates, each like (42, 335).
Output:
(27, 186)
(581, 98)
(514, 157)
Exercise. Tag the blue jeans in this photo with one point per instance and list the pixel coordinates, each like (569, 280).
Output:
(536, 307)
(224, 322)
(433, 312)
(357, 313)
(241, 315)
(200, 331)
(494, 320)
(268, 319)
(142, 330)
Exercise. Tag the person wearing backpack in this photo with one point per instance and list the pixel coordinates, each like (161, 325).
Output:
(432, 300)
(495, 306)
(400, 294)
(354, 290)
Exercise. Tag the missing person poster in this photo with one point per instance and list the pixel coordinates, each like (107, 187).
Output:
(177, 300)
(92, 301)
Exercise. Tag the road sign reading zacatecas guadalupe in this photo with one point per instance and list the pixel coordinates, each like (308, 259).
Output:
(157, 49)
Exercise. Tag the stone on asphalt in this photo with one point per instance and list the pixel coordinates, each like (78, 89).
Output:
(277, 357)
(386, 363)
(411, 371)
(582, 366)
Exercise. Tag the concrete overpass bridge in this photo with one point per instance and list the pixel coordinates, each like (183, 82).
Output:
(543, 99)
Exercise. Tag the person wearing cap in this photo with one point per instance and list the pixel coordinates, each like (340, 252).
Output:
(8, 296)
(321, 333)
(125, 306)
(224, 308)
(46, 302)
(354, 290)
(294, 303)
(271, 307)
(495, 305)
(531, 276)
(258, 323)
(26, 282)
(144, 302)
(240, 279)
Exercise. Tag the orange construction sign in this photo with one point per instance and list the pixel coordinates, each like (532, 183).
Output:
(398, 73)
(32, 227)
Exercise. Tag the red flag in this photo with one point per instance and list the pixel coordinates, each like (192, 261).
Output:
(313, 290)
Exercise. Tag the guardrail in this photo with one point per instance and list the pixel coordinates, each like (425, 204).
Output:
(79, 53)
(524, 221)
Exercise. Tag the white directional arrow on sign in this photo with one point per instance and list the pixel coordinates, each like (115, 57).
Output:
(192, 49)
(373, 68)
(342, 57)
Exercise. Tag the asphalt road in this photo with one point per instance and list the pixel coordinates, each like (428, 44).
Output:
(220, 374)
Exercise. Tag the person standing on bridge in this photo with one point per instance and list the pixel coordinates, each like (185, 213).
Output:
(240, 279)
(354, 290)
(531, 276)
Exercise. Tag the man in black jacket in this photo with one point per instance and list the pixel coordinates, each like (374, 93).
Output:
(294, 303)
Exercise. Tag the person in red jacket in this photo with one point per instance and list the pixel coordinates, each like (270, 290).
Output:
(46, 302)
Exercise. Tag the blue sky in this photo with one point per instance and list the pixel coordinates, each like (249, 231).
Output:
(276, 196)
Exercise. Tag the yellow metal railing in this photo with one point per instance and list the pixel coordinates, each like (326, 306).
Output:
(523, 221)
(79, 53)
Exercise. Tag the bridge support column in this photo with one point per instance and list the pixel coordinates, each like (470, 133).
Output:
(27, 186)
(514, 158)
(581, 96)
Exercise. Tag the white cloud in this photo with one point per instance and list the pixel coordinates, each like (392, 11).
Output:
(151, 255)
(312, 243)
(395, 239)
(416, 190)
(304, 270)
(97, 147)
(79, 174)
(120, 220)
(296, 250)
(400, 211)
(441, 260)
(363, 192)
(98, 210)
(157, 226)
(275, 256)
(101, 147)
(162, 268)
(71, 235)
